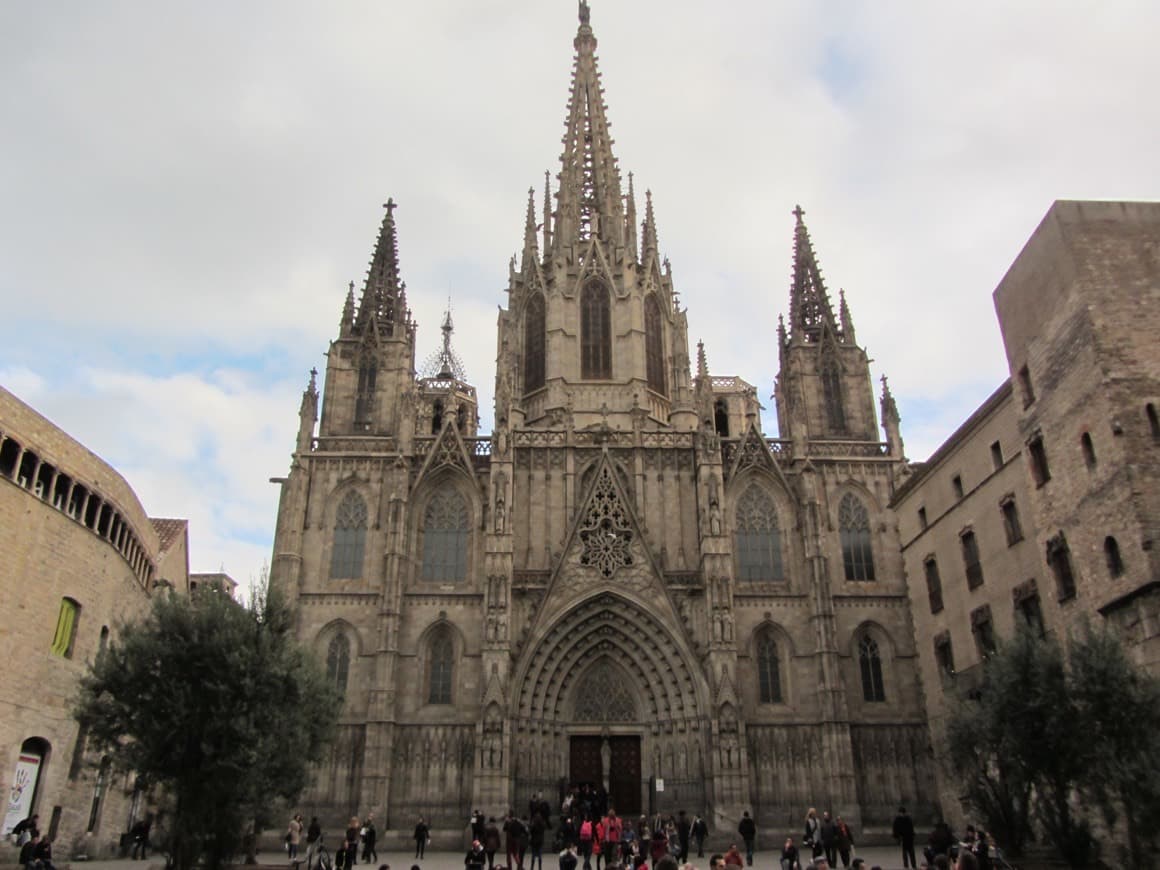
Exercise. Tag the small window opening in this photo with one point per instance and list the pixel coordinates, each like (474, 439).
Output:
(1031, 613)
(997, 455)
(1089, 451)
(1037, 455)
(933, 584)
(60, 491)
(1112, 555)
(105, 520)
(1011, 524)
(944, 654)
(64, 639)
(1153, 421)
(437, 417)
(10, 453)
(957, 485)
(27, 469)
(461, 419)
(43, 485)
(971, 563)
(1025, 386)
(984, 631)
(721, 418)
(76, 501)
(922, 517)
(92, 512)
(1059, 560)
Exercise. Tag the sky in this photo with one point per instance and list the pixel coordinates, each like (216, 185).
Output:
(187, 188)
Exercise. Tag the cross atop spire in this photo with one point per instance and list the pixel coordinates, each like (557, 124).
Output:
(810, 311)
(589, 198)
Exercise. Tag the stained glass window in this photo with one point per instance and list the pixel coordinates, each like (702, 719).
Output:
(757, 537)
(445, 533)
(854, 531)
(350, 535)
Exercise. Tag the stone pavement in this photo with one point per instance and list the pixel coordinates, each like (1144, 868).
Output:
(888, 858)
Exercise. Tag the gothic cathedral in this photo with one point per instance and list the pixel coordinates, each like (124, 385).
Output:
(626, 582)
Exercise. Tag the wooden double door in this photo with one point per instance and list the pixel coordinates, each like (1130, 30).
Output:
(586, 765)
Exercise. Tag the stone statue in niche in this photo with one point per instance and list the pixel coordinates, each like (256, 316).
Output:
(605, 760)
(714, 518)
(500, 515)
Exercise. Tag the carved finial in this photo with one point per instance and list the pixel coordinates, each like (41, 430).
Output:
(314, 379)
(799, 213)
(585, 12)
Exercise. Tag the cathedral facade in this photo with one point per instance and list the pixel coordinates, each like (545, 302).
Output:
(627, 582)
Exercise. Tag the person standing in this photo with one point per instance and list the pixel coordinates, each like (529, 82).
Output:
(491, 841)
(422, 832)
(829, 836)
(684, 828)
(140, 835)
(293, 838)
(813, 835)
(903, 831)
(352, 835)
(845, 841)
(699, 832)
(536, 830)
(748, 831)
(369, 836)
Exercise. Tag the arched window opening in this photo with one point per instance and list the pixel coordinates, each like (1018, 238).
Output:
(461, 419)
(437, 417)
(368, 373)
(1112, 555)
(338, 662)
(65, 637)
(854, 531)
(1089, 450)
(768, 669)
(350, 535)
(534, 340)
(595, 332)
(757, 537)
(832, 394)
(870, 663)
(445, 533)
(721, 418)
(441, 668)
(654, 345)
(30, 766)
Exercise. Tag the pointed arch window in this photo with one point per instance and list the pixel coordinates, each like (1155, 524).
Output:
(654, 346)
(870, 662)
(757, 537)
(595, 332)
(832, 394)
(445, 533)
(1112, 557)
(441, 668)
(350, 537)
(368, 373)
(338, 662)
(534, 338)
(768, 668)
(854, 530)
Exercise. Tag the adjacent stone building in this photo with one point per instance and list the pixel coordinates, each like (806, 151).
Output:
(78, 556)
(1044, 507)
(627, 582)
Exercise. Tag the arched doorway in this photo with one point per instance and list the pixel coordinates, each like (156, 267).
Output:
(609, 687)
(26, 780)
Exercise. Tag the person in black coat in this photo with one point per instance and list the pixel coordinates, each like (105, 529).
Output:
(748, 831)
(475, 857)
(422, 832)
(904, 833)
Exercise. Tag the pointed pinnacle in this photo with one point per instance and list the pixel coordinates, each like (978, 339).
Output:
(702, 360)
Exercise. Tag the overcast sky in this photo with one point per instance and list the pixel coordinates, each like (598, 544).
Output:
(187, 188)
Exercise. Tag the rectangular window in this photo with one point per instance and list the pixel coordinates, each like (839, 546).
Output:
(1031, 613)
(957, 486)
(997, 455)
(1011, 523)
(971, 563)
(922, 517)
(1025, 386)
(933, 584)
(1037, 457)
(944, 654)
(1059, 560)
(983, 631)
(66, 628)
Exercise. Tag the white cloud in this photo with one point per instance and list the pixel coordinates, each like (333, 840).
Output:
(188, 189)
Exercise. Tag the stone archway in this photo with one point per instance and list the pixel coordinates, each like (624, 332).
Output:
(608, 668)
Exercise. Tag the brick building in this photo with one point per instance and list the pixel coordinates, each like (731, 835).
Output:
(78, 556)
(1044, 507)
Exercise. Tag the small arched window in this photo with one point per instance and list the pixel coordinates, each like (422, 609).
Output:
(534, 338)
(595, 332)
(721, 418)
(441, 668)
(1089, 450)
(757, 537)
(870, 663)
(338, 661)
(854, 531)
(350, 537)
(368, 373)
(832, 394)
(437, 417)
(1112, 555)
(445, 533)
(768, 669)
(654, 345)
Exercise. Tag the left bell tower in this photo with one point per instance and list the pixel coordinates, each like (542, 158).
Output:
(371, 365)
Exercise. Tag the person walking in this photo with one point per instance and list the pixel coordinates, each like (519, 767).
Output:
(422, 833)
(829, 836)
(748, 831)
(491, 841)
(903, 831)
(684, 829)
(352, 836)
(845, 841)
(699, 832)
(369, 836)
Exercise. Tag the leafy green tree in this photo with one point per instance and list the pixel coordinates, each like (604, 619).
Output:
(1117, 710)
(216, 703)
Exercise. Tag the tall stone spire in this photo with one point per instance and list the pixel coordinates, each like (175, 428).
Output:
(530, 254)
(589, 199)
(383, 299)
(810, 311)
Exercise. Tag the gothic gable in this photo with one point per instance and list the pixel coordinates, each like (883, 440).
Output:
(447, 453)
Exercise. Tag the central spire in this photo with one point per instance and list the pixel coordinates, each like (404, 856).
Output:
(589, 199)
